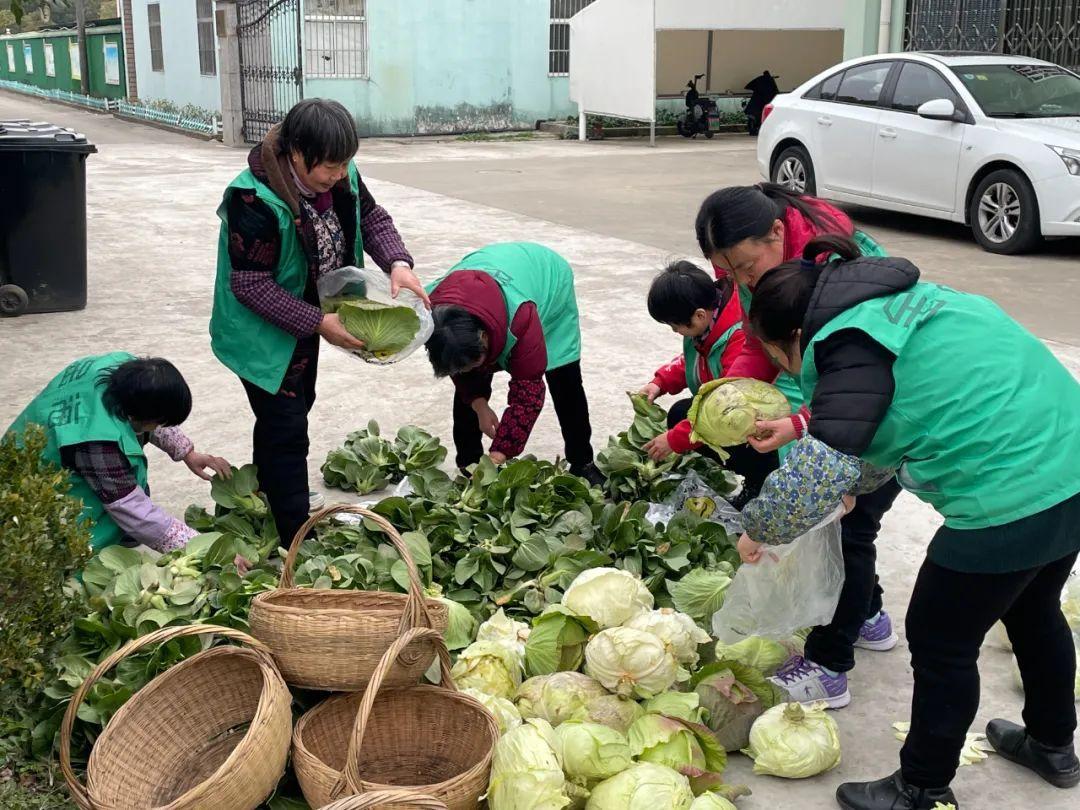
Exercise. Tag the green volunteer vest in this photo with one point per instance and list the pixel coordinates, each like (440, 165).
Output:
(716, 353)
(71, 411)
(985, 422)
(248, 345)
(529, 272)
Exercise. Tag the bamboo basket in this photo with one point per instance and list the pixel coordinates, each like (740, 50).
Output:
(387, 798)
(429, 739)
(211, 732)
(332, 640)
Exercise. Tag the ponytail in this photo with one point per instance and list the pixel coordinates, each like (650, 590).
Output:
(829, 244)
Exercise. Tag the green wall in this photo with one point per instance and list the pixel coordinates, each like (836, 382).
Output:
(95, 40)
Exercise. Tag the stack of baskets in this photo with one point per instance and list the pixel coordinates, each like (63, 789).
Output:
(214, 731)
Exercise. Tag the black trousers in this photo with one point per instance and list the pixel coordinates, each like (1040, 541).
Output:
(833, 645)
(571, 407)
(949, 615)
(753, 466)
(280, 438)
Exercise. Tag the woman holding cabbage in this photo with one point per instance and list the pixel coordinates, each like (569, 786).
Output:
(872, 348)
(298, 211)
(745, 231)
(511, 307)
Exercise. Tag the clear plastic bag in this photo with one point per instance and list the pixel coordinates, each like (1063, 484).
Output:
(693, 495)
(347, 283)
(791, 587)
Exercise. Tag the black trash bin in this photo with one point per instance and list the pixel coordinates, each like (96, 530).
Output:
(42, 217)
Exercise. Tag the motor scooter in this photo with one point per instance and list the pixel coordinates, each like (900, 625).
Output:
(701, 114)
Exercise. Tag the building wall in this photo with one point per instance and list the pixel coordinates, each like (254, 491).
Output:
(180, 81)
(96, 40)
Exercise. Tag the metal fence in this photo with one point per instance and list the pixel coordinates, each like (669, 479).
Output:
(1045, 29)
(335, 39)
(271, 71)
(559, 34)
(57, 95)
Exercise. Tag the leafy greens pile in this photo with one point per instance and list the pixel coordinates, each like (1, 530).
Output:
(369, 462)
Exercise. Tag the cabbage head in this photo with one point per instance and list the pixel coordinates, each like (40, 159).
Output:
(644, 786)
(557, 696)
(488, 667)
(631, 662)
(711, 801)
(677, 630)
(794, 741)
(502, 629)
(680, 705)
(734, 696)
(590, 751)
(608, 596)
(724, 411)
(505, 712)
(762, 654)
(385, 329)
(689, 748)
(525, 771)
(557, 641)
(610, 710)
(700, 593)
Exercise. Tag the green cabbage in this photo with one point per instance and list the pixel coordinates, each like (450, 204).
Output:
(700, 593)
(734, 696)
(608, 596)
(794, 741)
(631, 662)
(644, 786)
(488, 667)
(609, 710)
(711, 801)
(385, 329)
(505, 712)
(460, 626)
(506, 631)
(677, 630)
(724, 411)
(680, 705)
(557, 641)
(590, 751)
(689, 748)
(557, 696)
(525, 770)
(762, 654)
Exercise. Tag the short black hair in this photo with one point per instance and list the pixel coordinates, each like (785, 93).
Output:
(321, 130)
(146, 389)
(457, 341)
(679, 290)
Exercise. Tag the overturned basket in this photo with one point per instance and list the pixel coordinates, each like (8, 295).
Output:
(387, 798)
(332, 640)
(211, 732)
(429, 739)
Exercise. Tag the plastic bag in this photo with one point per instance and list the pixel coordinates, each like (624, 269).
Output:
(694, 496)
(791, 587)
(350, 282)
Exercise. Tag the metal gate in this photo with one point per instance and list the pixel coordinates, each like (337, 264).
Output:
(271, 73)
(1045, 29)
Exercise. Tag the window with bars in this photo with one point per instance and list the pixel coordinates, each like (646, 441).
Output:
(204, 13)
(153, 21)
(335, 39)
(559, 34)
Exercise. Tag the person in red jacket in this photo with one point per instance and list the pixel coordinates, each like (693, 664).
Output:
(708, 316)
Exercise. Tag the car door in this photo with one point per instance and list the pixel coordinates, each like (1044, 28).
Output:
(916, 159)
(846, 130)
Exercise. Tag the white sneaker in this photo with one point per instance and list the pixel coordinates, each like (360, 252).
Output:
(315, 501)
(806, 682)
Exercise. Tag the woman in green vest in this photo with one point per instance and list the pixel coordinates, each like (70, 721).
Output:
(97, 414)
(511, 307)
(298, 211)
(976, 417)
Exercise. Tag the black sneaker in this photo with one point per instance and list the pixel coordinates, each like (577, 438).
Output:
(591, 474)
(1057, 765)
(892, 793)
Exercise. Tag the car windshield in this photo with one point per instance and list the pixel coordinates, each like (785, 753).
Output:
(1022, 91)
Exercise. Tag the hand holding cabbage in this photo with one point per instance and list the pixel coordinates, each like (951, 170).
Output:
(725, 412)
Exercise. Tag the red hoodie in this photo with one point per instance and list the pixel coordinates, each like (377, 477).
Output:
(671, 377)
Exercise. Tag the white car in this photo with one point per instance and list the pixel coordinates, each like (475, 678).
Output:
(989, 140)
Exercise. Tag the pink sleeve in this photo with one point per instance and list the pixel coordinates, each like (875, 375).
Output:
(752, 362)
(173, 441)
(140, 519)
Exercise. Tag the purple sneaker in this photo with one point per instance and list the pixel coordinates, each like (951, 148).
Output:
(806, 682)
(877, 634)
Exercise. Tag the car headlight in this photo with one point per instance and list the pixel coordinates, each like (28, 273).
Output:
(1071, 158)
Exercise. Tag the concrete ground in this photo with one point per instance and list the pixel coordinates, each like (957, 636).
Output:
(617, 211)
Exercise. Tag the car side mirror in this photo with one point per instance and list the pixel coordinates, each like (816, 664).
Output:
(938, 109)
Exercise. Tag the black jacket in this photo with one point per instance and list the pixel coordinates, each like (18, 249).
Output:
(855, 382)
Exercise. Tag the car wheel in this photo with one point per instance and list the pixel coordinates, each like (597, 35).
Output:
(793, 169)
(1004, 213)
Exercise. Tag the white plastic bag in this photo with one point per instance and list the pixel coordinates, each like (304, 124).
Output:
(693, 495)
(791, 587)
(364, 282)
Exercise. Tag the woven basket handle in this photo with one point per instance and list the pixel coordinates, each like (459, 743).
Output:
(363, 715)
(415, 613)
(78, 791)
(380, 798)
